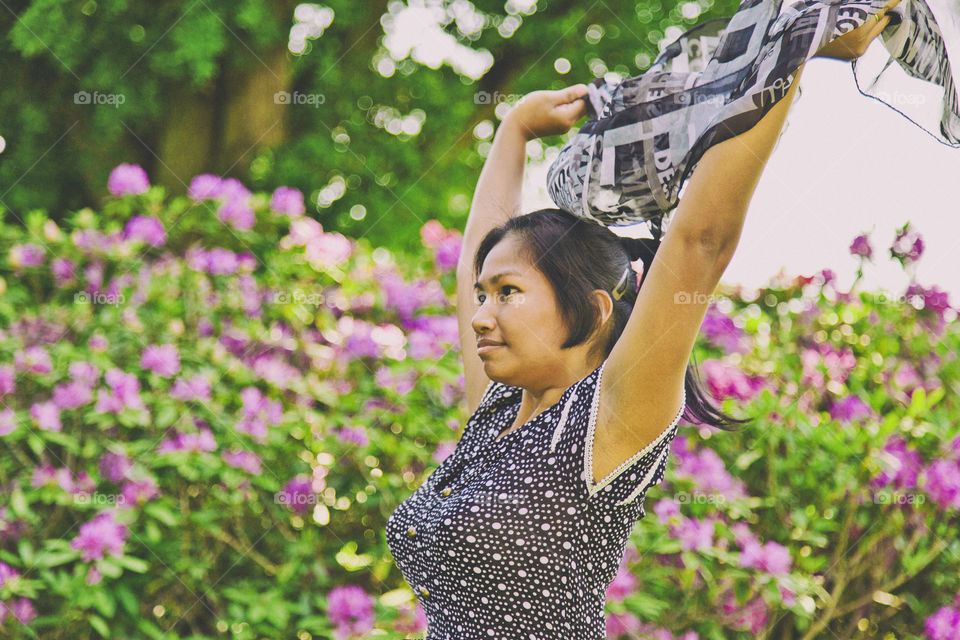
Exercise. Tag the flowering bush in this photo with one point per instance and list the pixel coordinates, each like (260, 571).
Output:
(203, 413)
(211, 406)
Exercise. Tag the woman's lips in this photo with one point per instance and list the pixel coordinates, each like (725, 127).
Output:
(488, 347)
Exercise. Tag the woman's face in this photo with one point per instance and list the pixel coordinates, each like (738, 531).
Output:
(519, 309)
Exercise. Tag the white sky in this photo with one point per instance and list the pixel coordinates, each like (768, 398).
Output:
(846, 164)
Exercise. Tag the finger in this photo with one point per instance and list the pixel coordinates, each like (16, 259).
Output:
(574, 92)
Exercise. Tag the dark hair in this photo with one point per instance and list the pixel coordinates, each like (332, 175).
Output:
(578, 256)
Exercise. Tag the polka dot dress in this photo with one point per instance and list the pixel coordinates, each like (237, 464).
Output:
(510, 538)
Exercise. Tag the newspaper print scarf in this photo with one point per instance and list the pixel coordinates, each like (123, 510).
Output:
(627, 163)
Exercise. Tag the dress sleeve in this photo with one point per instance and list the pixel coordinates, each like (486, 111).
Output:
(628, 483)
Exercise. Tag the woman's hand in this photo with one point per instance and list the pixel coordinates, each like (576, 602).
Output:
(547, 113)
(853, 44)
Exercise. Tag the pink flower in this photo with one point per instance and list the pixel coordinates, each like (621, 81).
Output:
(101, 534)
(84, 372)
(943, 624)
(350, 609)
(115, 467)
(26, 255)
(7, 421)
(900, 465)
(861, 247)
(432, 233)
(288, 201)
(942, 483)
(128, 179)
(203, 187)
(850, 408)
(694, 535)
(136, 491)
(328, 250)
(163, 360)
(237, 213)
(34, 359)
(188, 442)
(447, 253)
(72, 395)
(721, 331)
(241, 459)
(63, 271)
(907, 247)
(623, 584)
(727, 381)
(195, 389)
(298, 494)
(147, 229)
(46, 415)
(7, 379)
(771, 557)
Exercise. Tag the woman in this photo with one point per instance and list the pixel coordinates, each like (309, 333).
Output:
(575, 381)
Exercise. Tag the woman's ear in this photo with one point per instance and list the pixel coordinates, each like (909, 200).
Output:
(604, 303)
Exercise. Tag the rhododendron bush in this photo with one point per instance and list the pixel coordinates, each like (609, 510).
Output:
(211, 404)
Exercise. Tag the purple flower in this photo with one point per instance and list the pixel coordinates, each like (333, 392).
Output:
(901, 465)
(189, 442)
(63, 271)
(694, 535)
(46, 415)
(84, 373)
(353, 435)
(942, 483)
(432, 234)
(7, 379)
(328, 250)
(33, 359)
(147, 229)
(721, 331)
(728, 381)
(350, 609)
(907, 247)
(666, 509)
(195, 389)
(221, 261)
(771, 557)
(289, 201)
(21, 609)
(205, 186)
(128, 180)
(237, 213)
(7, 421)
(115, 466)
(72, 395)
(26, 255)
(850, 408)
(7, 573)
(447, 253)
(124, 393)
(943, 624)
(163, 360)
(101, 534)
(98, 343)
(241, 459)
(298, 494)
(136, 491)
(623, 584)
(861, 247)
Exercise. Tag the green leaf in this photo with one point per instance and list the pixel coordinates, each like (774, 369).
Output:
(104, 601)
(134, 564)
(48, 559)
(161, 513)
(99, 624)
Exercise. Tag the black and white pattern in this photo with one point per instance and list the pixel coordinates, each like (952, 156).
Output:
(510, 538)
(717, 80)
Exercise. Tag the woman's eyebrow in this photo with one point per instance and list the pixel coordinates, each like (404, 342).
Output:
(496, 277)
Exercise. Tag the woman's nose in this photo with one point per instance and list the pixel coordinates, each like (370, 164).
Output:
(482, 320)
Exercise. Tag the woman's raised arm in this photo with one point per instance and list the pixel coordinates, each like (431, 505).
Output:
(497, 199)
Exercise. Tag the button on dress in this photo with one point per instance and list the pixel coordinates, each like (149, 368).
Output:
(510, 538)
